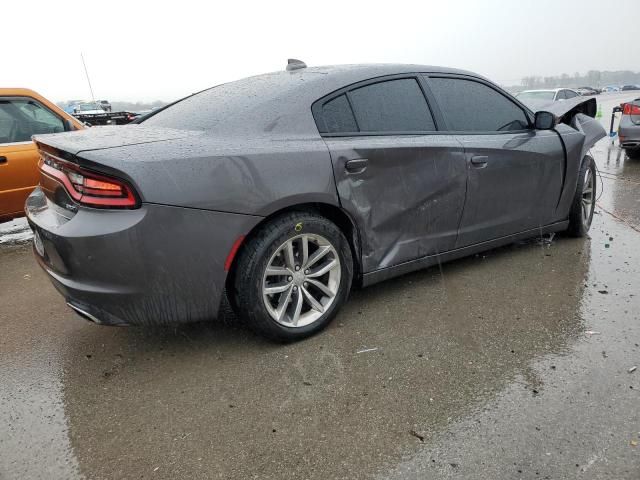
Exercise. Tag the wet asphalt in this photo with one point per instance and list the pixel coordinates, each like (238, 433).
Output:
(511, 364)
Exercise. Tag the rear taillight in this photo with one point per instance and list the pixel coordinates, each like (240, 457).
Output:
(86, 187)
(630, 109)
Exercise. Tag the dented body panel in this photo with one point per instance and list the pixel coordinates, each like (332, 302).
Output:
(408, 201)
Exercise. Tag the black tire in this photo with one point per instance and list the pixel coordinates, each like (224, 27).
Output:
(633, 153)
(258, 252)
(579, 223)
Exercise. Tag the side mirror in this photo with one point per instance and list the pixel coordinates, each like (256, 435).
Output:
(544, 121)
(68, 125)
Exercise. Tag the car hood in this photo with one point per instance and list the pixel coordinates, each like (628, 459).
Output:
(100, 138)
(585, 105)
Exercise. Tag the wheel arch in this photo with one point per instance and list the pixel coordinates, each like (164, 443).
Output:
(331, 212)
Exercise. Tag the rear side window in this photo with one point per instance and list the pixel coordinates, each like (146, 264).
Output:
(337, 116)
(471, 106)
(391, 106)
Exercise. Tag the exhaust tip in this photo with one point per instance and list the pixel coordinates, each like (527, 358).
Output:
(84, 314)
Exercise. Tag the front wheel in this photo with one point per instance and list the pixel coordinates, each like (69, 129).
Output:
(584, 201)
(293, 276)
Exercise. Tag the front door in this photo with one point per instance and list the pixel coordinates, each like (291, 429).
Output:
(515, 172)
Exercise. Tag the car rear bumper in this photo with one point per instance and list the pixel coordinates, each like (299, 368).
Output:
(154, 265)
(629, 134)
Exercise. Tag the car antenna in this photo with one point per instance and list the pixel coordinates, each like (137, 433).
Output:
(295, 64)
(86, 72)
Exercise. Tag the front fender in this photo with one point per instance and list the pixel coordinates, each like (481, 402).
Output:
(592, 130)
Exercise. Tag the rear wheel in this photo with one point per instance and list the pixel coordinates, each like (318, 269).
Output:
(584, 201)
(293, 276)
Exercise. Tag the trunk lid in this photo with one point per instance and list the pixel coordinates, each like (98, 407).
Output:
(99, 138)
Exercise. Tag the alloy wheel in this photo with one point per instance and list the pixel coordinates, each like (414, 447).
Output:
(588, 200)
(301, 280)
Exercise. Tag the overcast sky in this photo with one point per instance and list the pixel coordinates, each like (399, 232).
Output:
(148, 50)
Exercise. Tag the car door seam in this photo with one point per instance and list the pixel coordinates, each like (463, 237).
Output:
(564, 168)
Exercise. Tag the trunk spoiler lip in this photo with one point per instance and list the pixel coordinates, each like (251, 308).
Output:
(76, 142)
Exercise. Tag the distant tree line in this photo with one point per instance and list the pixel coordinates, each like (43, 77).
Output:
(593, 78)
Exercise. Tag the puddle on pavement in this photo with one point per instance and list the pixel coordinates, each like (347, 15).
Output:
(564, 414)
(215, 401)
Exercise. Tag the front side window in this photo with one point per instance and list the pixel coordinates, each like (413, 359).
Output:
(20, 118)
(471, 106)
(570, 94)
(561, 95)
(391, 106)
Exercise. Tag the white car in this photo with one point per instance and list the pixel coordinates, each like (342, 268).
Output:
(550, 94)
(90, 108)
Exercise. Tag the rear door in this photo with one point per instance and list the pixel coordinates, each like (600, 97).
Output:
(515, 172)
(397, 176)
(20, 118)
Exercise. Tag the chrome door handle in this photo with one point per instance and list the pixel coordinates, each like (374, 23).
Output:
(357, 165)
(479, 160)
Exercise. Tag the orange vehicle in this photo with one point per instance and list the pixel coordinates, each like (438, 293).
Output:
(24, 113)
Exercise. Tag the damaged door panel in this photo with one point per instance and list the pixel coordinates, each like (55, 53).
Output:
(408, 200)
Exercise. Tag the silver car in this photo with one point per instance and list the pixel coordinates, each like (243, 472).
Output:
(537, 99)
(629, 129)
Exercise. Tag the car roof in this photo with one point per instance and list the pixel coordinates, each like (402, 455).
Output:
(338, 76)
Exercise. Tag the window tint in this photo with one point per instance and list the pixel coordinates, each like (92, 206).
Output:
(391, 106)
(570, 94)
(22, 117)
(337, 116)
(474, 107)
(561, 95)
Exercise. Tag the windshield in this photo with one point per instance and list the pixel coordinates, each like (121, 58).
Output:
(537, 95)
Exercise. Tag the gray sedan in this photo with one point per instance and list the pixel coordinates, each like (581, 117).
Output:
(629, 128)
(282, 192)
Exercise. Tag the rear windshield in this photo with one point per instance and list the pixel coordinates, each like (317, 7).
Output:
(544, 95)
(212, 108)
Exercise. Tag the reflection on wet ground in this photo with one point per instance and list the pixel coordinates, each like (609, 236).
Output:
(510, 364)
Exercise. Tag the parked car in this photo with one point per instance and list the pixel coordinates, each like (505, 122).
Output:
(629, 128)
(610, 89)
(626, 88)
(105, 105)
(282, 191)
(536, 99)
(586, 91)
(24, 113)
